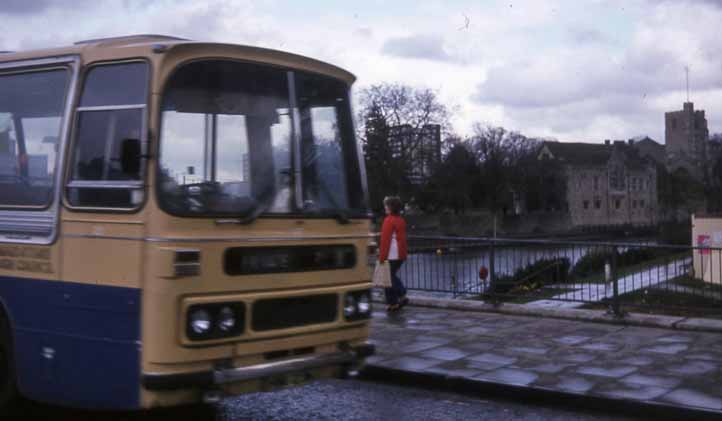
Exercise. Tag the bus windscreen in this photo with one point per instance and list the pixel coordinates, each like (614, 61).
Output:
(229, 135)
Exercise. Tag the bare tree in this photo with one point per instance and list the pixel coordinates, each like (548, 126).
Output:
(392, 110)
(404, 105)
(505, 159)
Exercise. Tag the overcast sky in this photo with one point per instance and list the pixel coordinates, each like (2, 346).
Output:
(574, 70)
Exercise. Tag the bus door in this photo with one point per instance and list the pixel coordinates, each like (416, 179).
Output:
(103, 233)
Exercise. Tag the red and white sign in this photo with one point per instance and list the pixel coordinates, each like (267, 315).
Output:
(704, 240)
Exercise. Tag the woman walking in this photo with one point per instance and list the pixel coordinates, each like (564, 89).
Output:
(394, 249)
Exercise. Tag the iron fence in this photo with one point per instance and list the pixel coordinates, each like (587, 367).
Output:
(614, 275)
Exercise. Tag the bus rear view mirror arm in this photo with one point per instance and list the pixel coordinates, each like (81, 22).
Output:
(130, 156)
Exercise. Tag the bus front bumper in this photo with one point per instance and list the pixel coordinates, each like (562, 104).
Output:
(207, 379)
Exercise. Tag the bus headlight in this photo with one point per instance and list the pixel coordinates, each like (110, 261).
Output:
(226, 319)
(215, 320)
(200, 322)
(364, 304)
(357, 305)
(349, 308)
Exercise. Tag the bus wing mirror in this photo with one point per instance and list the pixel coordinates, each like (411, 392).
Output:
(130, 156)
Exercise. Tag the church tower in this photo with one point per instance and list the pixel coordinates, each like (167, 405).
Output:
(685, 138)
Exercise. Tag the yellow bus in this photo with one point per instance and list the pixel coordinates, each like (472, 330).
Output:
(179, 221)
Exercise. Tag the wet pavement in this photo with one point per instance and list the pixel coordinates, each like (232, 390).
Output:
(668, 367)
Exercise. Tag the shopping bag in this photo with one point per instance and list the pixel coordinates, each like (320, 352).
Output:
(382, 275)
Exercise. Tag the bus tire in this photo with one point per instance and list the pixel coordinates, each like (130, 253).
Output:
(8, 385)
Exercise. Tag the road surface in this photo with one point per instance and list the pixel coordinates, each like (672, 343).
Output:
(340, 400)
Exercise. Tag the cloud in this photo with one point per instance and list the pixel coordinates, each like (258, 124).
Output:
(570, 76)
(23, 7)
(426, 47)
(594, 118)
(581, 35)
(572, 70)
(717, 3)
(364, 32)
(592, 89)
(212, 20)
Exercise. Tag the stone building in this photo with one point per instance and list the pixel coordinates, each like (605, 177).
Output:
(607, 184)
(686, 138)
(649, 148)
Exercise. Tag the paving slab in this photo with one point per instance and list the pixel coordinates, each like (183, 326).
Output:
(649, 365)
(566, 312)
(709, 325)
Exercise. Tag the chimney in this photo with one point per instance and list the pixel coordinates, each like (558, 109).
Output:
(607, 142)
(631, 142)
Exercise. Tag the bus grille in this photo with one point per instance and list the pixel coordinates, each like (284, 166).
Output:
(284, 313)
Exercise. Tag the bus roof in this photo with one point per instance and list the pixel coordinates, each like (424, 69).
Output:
(151, 46)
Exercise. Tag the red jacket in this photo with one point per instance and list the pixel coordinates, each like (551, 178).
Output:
(393, 223)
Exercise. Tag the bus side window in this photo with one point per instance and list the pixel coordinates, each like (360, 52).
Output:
(111, 120)
(31, 111)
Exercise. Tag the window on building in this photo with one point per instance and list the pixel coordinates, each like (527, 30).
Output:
(109, 133)
(634, 204)
(641, 204)
(617, 177)
(617, 203)
(596, 182)
(597, 204)
(586, 204)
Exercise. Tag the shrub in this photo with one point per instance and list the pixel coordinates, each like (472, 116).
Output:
(534, 275)
(675, 233)
(591, 263)
(633, 256)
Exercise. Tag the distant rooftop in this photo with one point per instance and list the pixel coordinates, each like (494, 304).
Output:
(591, 154)
(643, 138)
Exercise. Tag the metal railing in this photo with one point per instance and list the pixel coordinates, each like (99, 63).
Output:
(613, 275)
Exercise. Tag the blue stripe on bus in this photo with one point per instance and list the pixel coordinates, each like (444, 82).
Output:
(75, 344)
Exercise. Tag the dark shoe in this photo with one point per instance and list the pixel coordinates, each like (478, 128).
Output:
(393, 308)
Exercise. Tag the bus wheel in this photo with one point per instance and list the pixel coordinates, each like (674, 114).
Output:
(8, 387)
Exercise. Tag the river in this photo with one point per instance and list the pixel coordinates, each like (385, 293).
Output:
(457, 269)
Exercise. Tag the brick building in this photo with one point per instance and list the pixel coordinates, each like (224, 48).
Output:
(606, 184)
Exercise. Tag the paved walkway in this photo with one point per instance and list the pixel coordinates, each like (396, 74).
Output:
(679, 368)
(595, 292)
